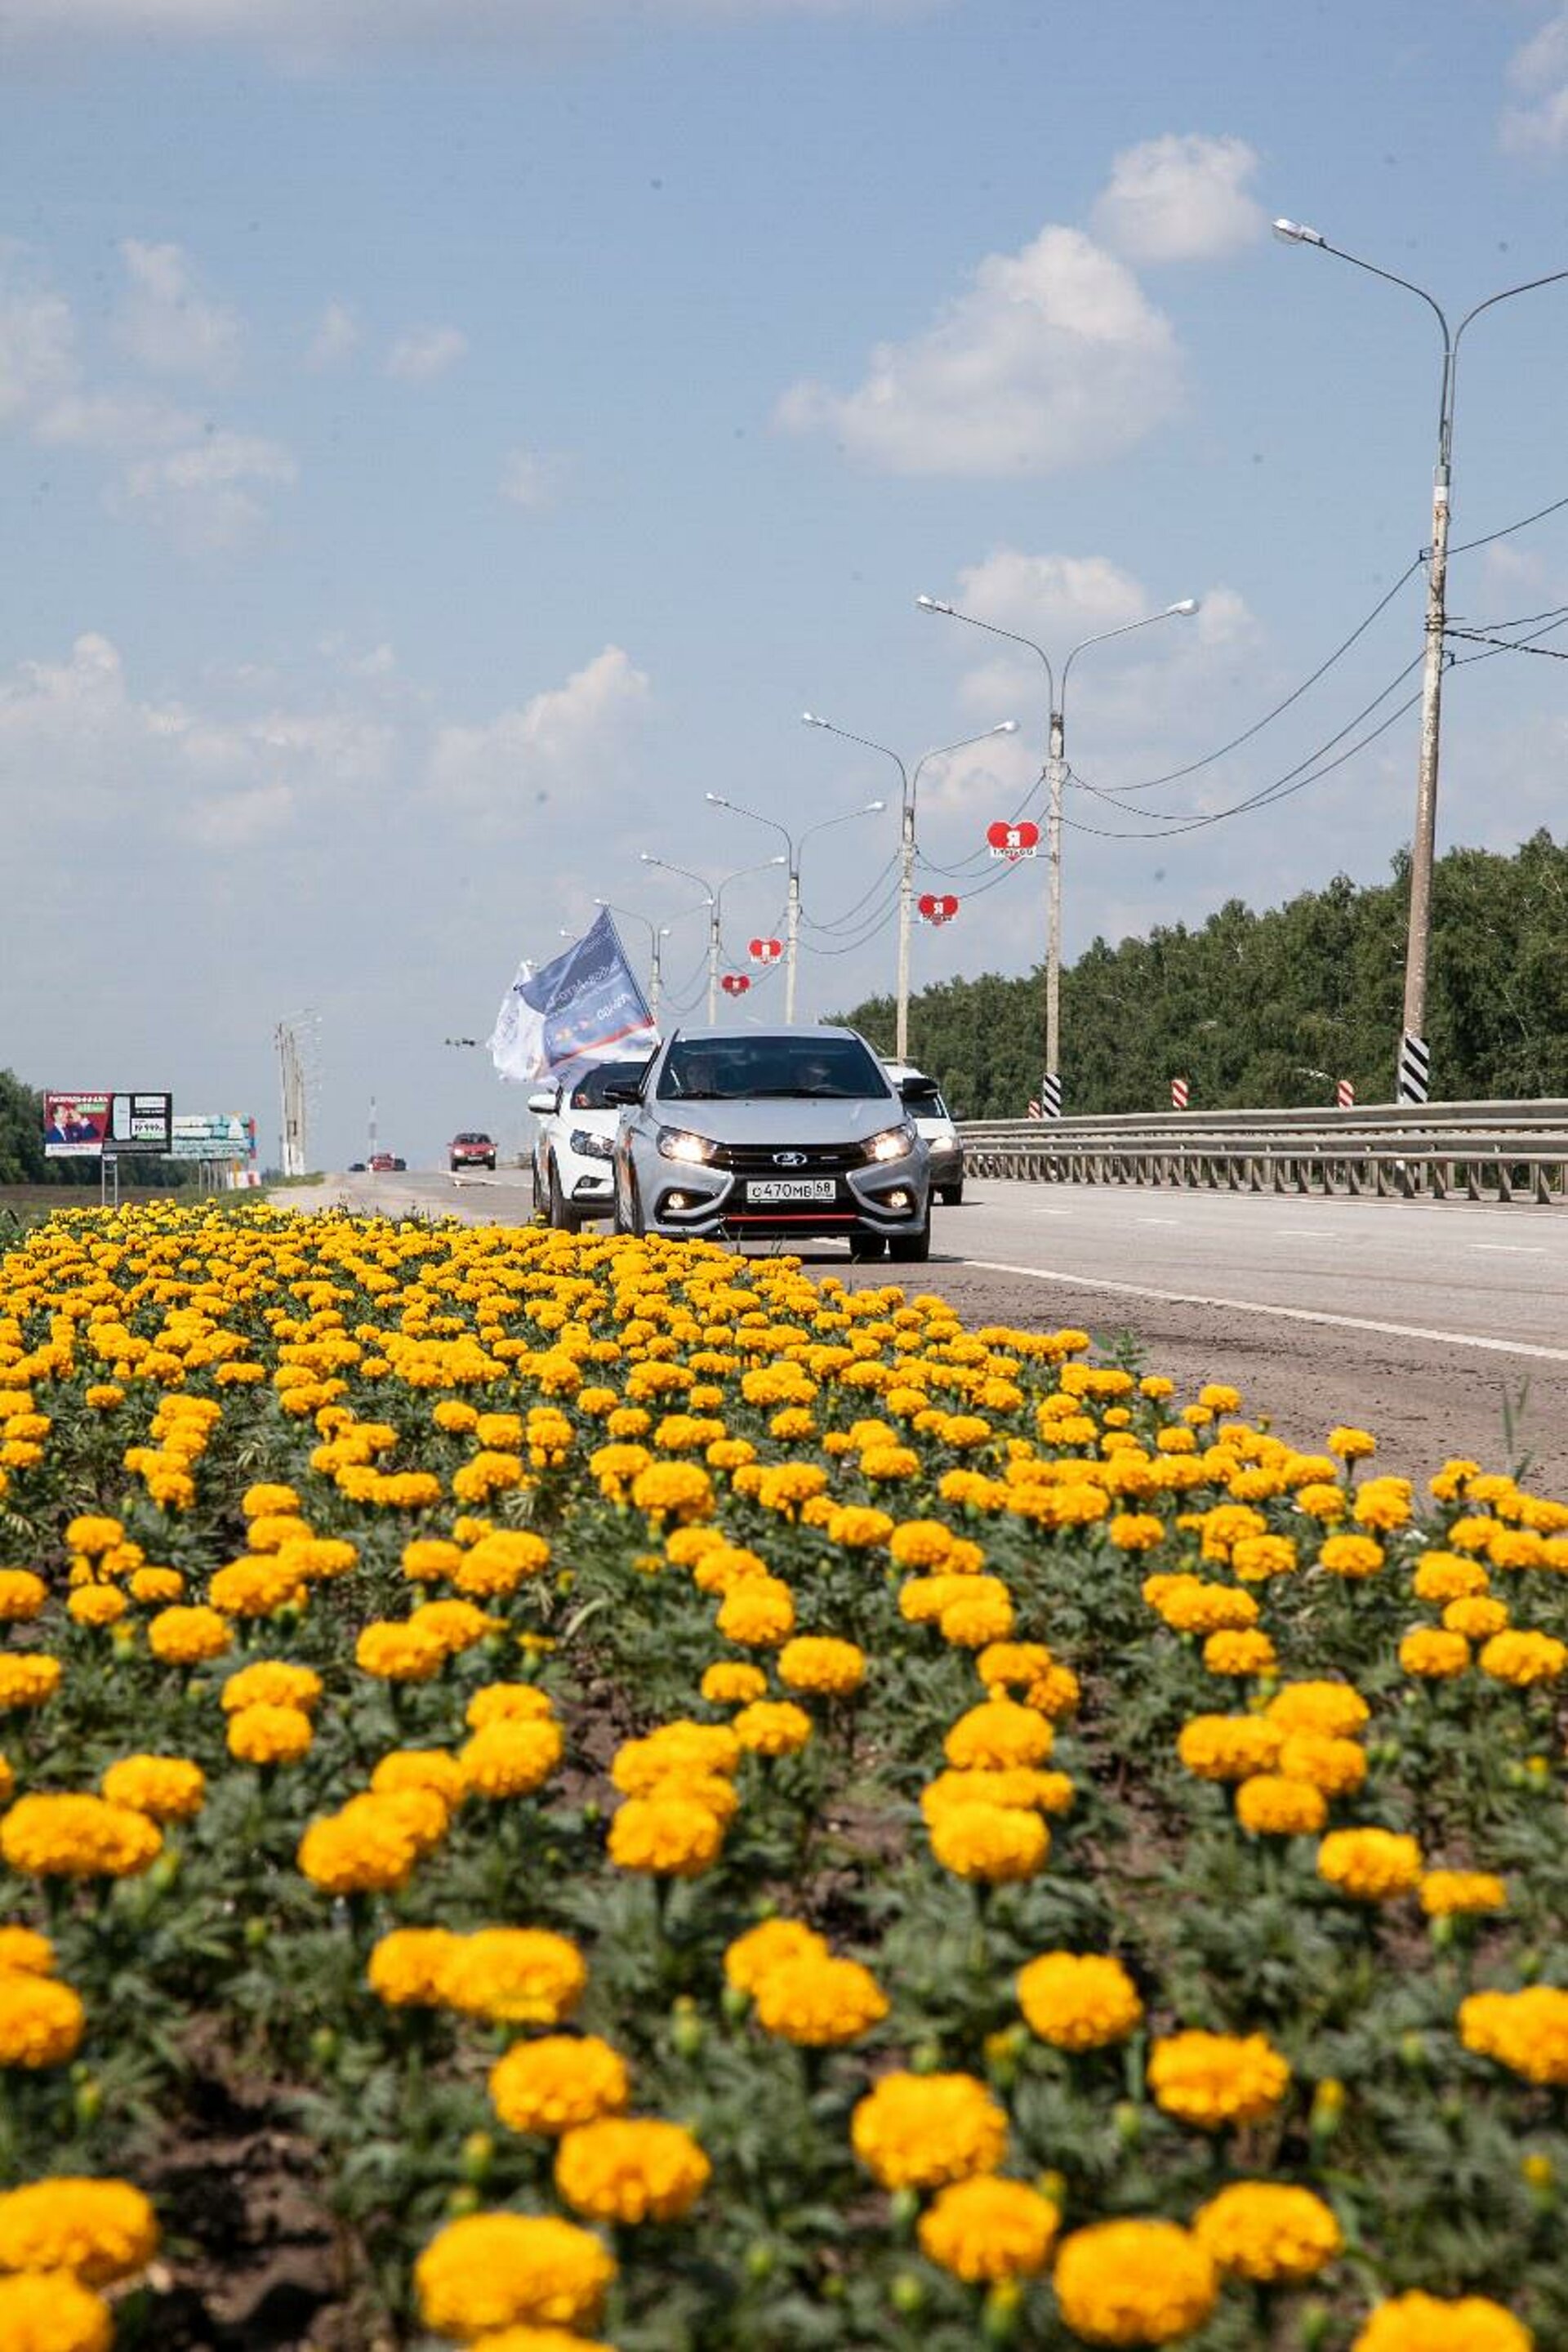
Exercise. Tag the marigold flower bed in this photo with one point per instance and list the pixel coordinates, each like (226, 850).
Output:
(699, 1808)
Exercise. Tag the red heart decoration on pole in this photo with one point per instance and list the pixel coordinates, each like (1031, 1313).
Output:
(734, 983)
(1013, 838)
(766, 951)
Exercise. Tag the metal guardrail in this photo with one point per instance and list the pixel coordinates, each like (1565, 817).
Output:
(1473, 1152)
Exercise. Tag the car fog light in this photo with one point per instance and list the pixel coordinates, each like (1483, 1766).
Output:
(899, 1200)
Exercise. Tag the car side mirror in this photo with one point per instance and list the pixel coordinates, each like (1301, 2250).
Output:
(543, 1103)
(919, 1090)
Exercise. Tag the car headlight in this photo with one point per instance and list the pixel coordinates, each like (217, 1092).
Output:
(680, 1143)
(592, 1147)
(893, 1143)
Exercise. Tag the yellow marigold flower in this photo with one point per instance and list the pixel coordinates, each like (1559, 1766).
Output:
(1258, 1557)
(22, 1595)
(365, 1849)
(1271, 1805)
(1472, 1534)
(1477, 1618)
(419, 1767)
(994, 1844)
(267, 1735)
(511, 1758)
(406, 1967)
(1434, 1653)
(1189, 1605)
(1370, 1865)
(736, 1685)
(1268, 2231)
(399, 1654)
(629, 2171)
(1320, 1500)
(856, 1527)
(758, 1613)
(1078, 2001)
(1010, 1664)
(1136, 1530)
(271, 1682)
(188, 1637)
(1135, 2282)
(1247, 1653)
(1018, 1788)
(51, 2310)
(254, 1587)
(680, 1748)
(1212, 2080)
(507, 1703)
(980, 1614)
(25, 1950)
(820, 2002)
(772, 1727)
(999, 1732)
(921, 1543)
(157, 1586)
(1352, 1444)
(41, 2022)
(1424, 2323)
(986, 2229)
(164, 1788)
(96, 1605)
(559, 2082)
(77, 1837)
(923, 1599)
(822, 1665)
(920, 2131)
(674, 1490)
(498, 1561)
(1446, 1891)
(1332, 1707)
(265, 1501)
(515, 1976)
(666, 1835)
(1525, 2032)
(493, 2269)
(1337, 1766)
(93, 1534)
(457, 1626)
(96, 2230)
(428, 1558)
(1523, 1658)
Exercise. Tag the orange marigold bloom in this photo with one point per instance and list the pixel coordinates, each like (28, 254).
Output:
(1212, 2080)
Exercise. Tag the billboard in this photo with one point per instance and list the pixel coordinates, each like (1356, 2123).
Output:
(75, 1126)
(212, 1135)
(139, 1122)
(583, 1006)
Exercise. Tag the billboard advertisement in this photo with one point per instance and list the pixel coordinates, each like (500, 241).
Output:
(583, 1006)
(212, 1135)
(139, 1122)
(75, 1126)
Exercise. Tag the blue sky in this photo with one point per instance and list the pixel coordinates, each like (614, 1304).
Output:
(440, 441)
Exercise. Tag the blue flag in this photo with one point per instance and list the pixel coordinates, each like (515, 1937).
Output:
(583, 1006)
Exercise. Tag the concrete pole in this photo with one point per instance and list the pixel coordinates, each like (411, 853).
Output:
(1055, 770)
(792, 941)
(712, 962)
(656, 981)
(906, 898)
(1423, 845)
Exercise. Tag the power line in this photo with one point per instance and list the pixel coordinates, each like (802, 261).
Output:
(1510, 644)
(1524, 523)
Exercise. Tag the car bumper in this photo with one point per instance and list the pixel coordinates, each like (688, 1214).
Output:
(946, 1164)
(889, 1198)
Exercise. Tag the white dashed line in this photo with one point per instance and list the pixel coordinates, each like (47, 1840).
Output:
(1512, 1249)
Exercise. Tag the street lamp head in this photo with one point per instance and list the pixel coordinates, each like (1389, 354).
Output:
(648, 857)
(1005, 726)
(1291, 232)
(810, 719)
(873, 808)
(1187, 607)
(932, 605)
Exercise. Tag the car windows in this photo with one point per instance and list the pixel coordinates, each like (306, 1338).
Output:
(726, 1069)
(588, 1093)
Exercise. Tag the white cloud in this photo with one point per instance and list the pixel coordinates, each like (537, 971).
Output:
(166, 325)
(37, 343)
(427, 353)
(531, 478)
(203, 494)
(336, 338)
(1538, 72)
(112, 420)
(567, 739)
(1053, 357)
(1180, 199)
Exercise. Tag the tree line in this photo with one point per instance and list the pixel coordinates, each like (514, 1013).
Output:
(1262, 1011)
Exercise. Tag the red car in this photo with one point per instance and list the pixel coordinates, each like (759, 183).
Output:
(471, 1150)
(384, 1163)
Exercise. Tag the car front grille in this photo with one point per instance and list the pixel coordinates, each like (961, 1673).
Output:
(808, 1158)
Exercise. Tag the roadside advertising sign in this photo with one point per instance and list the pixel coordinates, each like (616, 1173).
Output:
(212, 1135)
(74, 1126)
(139, 1122)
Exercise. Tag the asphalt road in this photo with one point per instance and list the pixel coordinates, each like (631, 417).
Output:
(1441, 1325)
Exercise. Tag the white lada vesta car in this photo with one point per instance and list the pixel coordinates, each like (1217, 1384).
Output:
(572, 1152)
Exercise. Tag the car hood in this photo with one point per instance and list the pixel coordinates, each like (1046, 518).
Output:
(793, 1120)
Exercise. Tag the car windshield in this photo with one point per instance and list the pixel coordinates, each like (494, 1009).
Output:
(728, 1069)
(588, 1093)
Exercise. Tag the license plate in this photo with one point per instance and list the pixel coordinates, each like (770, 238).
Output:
(771, 1189)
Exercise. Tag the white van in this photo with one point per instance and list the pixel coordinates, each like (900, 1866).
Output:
(922, 1100)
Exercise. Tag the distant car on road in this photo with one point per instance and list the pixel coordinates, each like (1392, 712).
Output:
(356, 1168)
(773, 1135)
(471, 1149)
(922, 1098)
(572, 1179)
(384, 1163)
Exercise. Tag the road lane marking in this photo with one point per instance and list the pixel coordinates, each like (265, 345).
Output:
(1513, 1249)
(1289, 1314)
(1157, 1221)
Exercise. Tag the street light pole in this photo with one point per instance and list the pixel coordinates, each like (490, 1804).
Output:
(1056, 775)
(908, 780)
(794, 844)
(656, 934)
(1414, 1081)
(713, 895)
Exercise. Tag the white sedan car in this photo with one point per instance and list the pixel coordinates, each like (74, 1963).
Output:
(573, 1177)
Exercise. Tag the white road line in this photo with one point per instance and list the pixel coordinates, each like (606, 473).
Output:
(1512, 1249)
(1289, 1314)
(1157, 1221)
